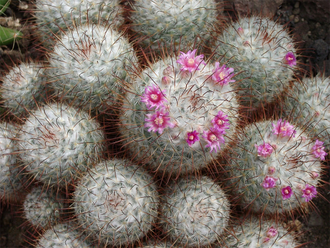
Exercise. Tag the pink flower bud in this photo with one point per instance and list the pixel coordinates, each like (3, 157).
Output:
(166, 80)
(240, 31)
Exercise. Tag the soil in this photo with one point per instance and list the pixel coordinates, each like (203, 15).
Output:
(309, 22)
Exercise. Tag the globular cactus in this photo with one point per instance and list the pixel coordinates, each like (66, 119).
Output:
(88, 66)
(254, 232)
(62, 235)
(264, 54)
(11, 181)
(58, 142)
(42, 208)
(180, 113)
(23, 87)
(54, 16)
(195, 212)
(121, 200)
(167, 23)
(275, 167)
(309, 104)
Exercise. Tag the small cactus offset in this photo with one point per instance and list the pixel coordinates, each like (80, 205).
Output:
(54, 16)
(309, 103)
(275, 167)
(23, 87)
(264, 54)
(195, 212)
(121, 200)
(254, 232)
(180, 113)
(62, 235)
(88, 66)
(57, 143)
(42, 208)
(11, 181)
(167, 23)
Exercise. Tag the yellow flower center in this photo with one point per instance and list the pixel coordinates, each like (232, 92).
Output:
(191, 62)
(283, 128)
(308, 191)
(286, 191)
(159, 121)
(289, 58)
(191, 137)
(213, 137)
(154, 97)
(220, 122)
(222, 75)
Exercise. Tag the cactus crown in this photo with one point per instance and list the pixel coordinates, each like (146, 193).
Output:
(275, 167)
(183, 109)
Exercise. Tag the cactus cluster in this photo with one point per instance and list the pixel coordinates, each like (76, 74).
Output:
(180, 112)
(179, 128)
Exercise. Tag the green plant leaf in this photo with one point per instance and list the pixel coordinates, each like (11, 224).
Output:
(4, 5)
(8, 36)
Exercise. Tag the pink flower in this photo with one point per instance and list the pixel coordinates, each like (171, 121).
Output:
(286, 192)
(309, 192)
(269, 182)
(284, 129)
(221, 121)
(318, 150)
(221, 75)
(158, 121)
(290, 59)
(192, 137)
(153, 97)
(189, 61)
(264, 150)
(214, 137)
(272, 232)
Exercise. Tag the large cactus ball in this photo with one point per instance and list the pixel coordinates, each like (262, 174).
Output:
(54, 16)
(121, 200)
(275, 167)
(58, 142)
(88, 67)
(22, 87)
(173, 22)
(264, 54)
(195, 212)
(180, 113)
